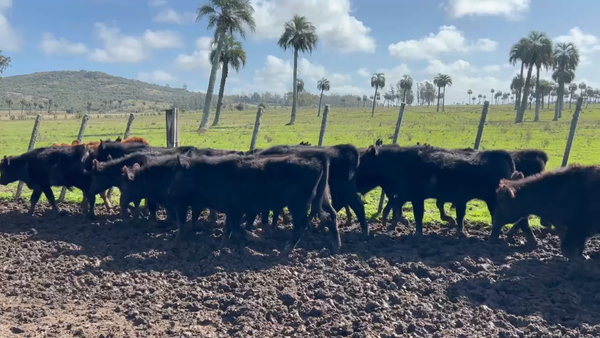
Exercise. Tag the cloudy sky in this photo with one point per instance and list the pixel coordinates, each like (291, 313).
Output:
(159, 41)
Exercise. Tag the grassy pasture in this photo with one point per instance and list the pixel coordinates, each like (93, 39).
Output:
(454, 128)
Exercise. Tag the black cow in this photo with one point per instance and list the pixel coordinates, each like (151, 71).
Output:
(248, 185)
(344, 160)
(568, 198)
(419, 172)
(44, 168)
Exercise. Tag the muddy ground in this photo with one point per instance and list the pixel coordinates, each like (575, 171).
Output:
(66, 276)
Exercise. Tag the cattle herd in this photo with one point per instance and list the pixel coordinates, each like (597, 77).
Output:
(316, 182)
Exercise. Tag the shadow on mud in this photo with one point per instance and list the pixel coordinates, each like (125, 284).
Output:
(561, 292)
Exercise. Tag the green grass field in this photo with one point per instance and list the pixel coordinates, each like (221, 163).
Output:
(454, 128)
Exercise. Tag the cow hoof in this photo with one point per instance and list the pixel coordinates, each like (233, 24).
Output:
(287, 249)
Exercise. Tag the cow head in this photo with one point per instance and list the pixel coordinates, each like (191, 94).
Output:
(118, 139)
(10, 172)
(378, 143)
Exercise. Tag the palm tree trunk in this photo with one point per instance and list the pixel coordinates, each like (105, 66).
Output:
(438, 99)
(558, 103)
(404, 96)
(295, 89)
(224, 74)
(320, 100)
(537, 97)
(570, 99)
(374, 100)
(444, 100)
(9, 112)
(469, 99)
(521, 113)
(518, 100)
(211, 83)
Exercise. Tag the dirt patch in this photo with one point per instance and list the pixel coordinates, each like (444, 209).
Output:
(66, 276)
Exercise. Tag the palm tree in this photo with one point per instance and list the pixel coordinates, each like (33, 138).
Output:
(480, 97)
(406, 85)
(582, 87)
(89, 106)
(572, 91)
(518, 53)
(35, 105)
(516, 86)
(23, 103)
(323, 85)
(505, 97)
(475, 99)
(492, 91)
(377, 81)
(364, 100)
(226, 17)
(301, 36)
(234, 56)
(469, 92)
(442, 80)
(545, 90)
(590, 92)
(538, 52)
(120, 104)
(9, 103)
(55, 107)
(497, 96)
(566, 60)
(358, 105)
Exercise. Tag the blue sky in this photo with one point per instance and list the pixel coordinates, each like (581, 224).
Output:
(158, 41)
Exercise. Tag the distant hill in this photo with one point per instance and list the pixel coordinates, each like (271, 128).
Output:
(76, 88)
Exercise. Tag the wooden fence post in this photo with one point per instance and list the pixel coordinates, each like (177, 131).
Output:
(259, 113)
(34, 134)
(129, 123)
(323, 125)
(484, 112)
(172, 128)
(84, 122)
(395, 141)
(572, 131)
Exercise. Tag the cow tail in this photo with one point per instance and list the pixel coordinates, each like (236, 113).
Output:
(322, 190)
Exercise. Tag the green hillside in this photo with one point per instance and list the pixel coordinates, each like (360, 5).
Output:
(76, 88)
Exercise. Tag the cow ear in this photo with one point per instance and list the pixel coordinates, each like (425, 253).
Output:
(118, 139)
(517, 175)
(136, 166)
(94, 164)
(124, 169)
(102, 145)
(109, 158)
(373, 149)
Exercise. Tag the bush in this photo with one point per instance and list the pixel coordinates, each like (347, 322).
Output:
(240, 106)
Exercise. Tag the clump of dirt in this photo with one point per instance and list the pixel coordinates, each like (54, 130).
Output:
(66, 276)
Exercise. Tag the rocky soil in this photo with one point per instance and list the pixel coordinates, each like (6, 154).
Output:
(66, 276)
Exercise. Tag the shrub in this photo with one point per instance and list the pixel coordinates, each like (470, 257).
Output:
(240, 106)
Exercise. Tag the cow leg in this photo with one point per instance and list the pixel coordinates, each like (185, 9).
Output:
(106, 201)
(181, 216)
(50, 197)
(35, 197)
(419, 211)
(264, 219)
(461, 210)
(213, 218)
(300, 223)
(84, 205)
(286, 217)
(348, 216)
(136, 210)
(443, 215)
(91, 199)
(196, 211)
(523, 224)
(386, 214)
(152, 208)
(336, 242)
(573, 244)
(359, 209)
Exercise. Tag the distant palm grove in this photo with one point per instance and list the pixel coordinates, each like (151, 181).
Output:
(232, 18)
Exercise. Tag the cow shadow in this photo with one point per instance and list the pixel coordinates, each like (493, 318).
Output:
(121, 246)
(559, 291)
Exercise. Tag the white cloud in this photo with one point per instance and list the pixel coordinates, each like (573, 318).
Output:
(336, 27)
(50, 45)
(10, 39)
(120, 48)
(364, 72)
(170, 15)
(585, 43)
(156, 76)
(199, 59)
(459, 67)
(393, 75)
(507, 8)
(162, 39)
(277, 74)
(448, 40)
(157, 3)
